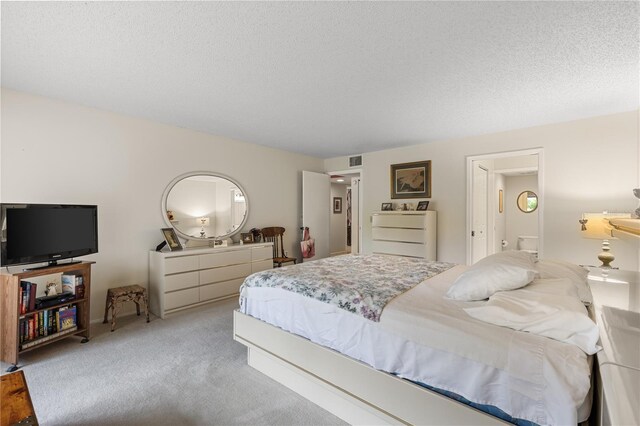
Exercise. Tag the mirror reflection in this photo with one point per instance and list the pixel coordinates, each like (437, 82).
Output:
(205, 205)
(527, 201)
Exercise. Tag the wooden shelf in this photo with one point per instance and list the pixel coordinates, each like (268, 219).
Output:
(58, 305)
(10, 315)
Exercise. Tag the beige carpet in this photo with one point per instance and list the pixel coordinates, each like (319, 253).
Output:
(185, 370)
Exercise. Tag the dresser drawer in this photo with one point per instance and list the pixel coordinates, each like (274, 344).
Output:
(262, 253)
(181, 298)
(224, 273)
(221, 289)
(399, 221)
(399, 234)
(174, 265)
(214, 260)
(262, 265)
(180, 281)
(400, 249)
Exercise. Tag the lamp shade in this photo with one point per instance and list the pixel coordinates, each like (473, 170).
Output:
(597, 226)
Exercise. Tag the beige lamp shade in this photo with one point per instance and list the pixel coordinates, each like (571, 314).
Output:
(597, 226)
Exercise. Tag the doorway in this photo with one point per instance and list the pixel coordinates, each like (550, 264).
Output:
(331, 209)
(345, 225)
(494, 220)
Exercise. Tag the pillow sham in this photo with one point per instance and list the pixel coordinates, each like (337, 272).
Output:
(549, 308)
(506, 270)
(552, 268)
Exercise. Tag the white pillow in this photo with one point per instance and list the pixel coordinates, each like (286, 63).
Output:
(549, 308)
(506, 270)
(561, 269)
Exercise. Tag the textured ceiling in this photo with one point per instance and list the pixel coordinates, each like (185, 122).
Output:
(334, 78)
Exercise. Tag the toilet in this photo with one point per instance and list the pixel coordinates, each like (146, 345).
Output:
(528, 243)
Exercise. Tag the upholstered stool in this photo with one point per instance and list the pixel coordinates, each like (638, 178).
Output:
(119, 295)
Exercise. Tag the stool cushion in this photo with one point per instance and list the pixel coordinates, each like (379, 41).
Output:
(128, 289)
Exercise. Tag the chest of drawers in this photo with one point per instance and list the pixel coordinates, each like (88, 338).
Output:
(192, 277)
(404, 233)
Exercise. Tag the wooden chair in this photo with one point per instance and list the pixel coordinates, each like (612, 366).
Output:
(273, 235)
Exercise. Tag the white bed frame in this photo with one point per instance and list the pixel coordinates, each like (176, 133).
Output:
(351, 390)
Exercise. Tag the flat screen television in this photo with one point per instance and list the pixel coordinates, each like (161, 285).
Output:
(34, 233)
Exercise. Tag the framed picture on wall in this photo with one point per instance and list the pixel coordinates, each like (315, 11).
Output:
(337, 204)
(172, 239)
(411, 180)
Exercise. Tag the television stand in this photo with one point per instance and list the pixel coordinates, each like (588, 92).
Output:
(12, 320)
(53, 264)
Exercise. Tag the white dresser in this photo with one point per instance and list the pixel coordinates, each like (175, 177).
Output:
(191, 277)
(405, 233)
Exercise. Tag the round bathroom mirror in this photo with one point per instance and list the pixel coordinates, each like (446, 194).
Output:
(527, 201)
(205, 205)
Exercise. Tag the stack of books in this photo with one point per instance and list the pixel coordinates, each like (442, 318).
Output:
(46, 325)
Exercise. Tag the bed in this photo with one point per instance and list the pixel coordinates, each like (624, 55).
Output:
(408, 356)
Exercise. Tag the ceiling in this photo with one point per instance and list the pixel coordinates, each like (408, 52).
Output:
(330, 78)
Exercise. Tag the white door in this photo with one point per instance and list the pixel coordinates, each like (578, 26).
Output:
(316, 209)
(480, 208)
(355, 215)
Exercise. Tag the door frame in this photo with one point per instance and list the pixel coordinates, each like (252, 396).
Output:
(360, 198)
(492, 197)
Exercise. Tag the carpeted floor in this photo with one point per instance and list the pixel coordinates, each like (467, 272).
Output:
(185, 370)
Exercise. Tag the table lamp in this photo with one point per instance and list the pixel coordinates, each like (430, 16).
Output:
(204, 221)
(596, 226)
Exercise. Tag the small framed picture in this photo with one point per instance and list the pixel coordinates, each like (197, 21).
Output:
(247, 237)
(337, 204)
(386, 207)
(172, 239)
(422, 205)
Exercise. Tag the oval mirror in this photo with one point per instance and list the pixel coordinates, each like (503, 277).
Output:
(527, 201)
(205, 205)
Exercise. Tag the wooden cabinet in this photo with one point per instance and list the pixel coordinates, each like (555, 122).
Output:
(192, 277)
(405, 233)
(11, 316)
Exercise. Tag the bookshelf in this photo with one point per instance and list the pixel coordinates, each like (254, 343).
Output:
(12, 318)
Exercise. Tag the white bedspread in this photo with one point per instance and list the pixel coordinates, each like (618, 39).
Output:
(423, 337)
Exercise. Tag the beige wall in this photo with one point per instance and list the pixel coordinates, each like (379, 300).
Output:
(56, 152)
(589, 165)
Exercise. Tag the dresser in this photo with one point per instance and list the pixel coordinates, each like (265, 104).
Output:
(192, 277)
(616, 296)
(404, 233)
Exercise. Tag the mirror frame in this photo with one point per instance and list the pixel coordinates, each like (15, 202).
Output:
(169, 187)
(526, 192)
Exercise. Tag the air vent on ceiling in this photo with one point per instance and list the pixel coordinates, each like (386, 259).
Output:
(355, 161)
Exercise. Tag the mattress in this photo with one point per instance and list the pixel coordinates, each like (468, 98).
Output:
(428, 339)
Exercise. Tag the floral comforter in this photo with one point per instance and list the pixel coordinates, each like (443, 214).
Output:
(361, 284)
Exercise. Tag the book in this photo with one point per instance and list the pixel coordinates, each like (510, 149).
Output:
(68, 283)
(20, 299)
(24, 299)
(67, 317)
(79, 287)
(32, 296)
(40, 323)
(30, 333)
